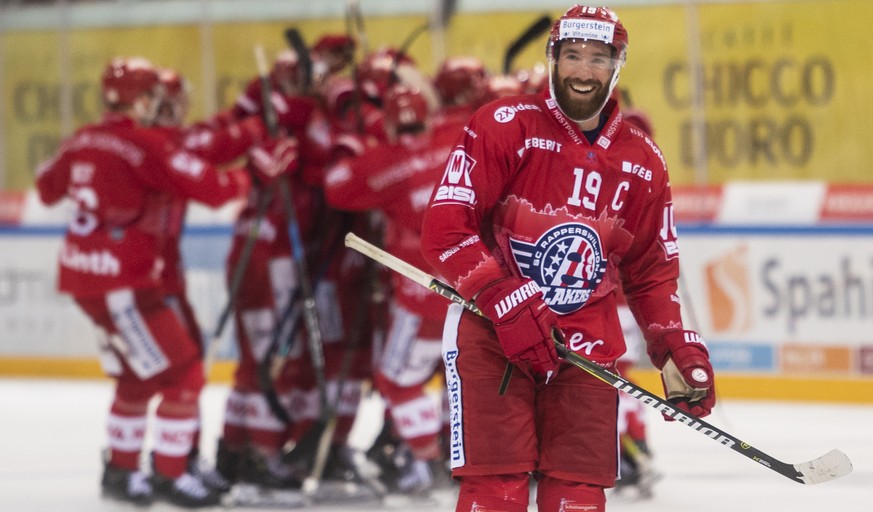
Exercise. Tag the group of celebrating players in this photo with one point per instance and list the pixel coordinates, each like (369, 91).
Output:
(348, 144)
(319, 146)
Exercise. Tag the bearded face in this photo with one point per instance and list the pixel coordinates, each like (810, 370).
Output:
(581, 79)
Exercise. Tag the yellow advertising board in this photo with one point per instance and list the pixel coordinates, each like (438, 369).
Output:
(51, 83)
(769, 90)
(783, 88)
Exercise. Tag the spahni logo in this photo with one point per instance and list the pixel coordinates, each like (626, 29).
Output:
(729, 291)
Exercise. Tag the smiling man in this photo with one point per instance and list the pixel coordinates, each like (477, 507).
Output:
(538, 221)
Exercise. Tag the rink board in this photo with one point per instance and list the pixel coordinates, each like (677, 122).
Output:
(787, 311)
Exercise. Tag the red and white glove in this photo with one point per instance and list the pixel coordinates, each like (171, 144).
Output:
(686, 372)
(523, 322)
(271, 159)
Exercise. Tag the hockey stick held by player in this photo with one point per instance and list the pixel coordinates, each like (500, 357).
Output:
(830, 466)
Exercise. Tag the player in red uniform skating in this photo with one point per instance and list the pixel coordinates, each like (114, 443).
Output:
(122, 174)
(397, 179)
(266, 413)
(218, 144)
(550, 203)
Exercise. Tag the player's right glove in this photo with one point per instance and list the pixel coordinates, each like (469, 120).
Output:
(272, 158)
(523, 322)
(686, 372)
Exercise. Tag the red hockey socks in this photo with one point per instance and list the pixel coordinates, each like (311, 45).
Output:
(554, 494)
(494, 493)
(126, 437)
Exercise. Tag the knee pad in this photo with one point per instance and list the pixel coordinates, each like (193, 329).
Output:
(132, 391)
(554, 494)
(507, 493)
(181, 390)
(393, 392)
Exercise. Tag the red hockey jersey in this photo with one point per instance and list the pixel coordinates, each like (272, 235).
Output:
(524, 193)
(397, 179)
(217, 144)
(123, 178)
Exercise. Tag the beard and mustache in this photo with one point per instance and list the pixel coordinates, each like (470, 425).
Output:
(576, 108)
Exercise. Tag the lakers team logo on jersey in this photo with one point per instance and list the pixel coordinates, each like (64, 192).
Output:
(567, 262)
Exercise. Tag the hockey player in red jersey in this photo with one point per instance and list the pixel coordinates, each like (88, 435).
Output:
(218, 144)
(253, 433)
(550, 203)
(253, 436)
(122, 176)
(397, 179)
(265, 413)
(461, 83)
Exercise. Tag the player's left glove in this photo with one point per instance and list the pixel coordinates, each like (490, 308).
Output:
(686, 372)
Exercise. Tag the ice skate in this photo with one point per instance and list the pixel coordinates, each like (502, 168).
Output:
(187, 491)
(266, 471)
(212, 477)
(262, 481)
(126, 485)
(349, 475)
(638, 473)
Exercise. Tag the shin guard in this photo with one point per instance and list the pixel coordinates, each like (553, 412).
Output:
(503, 493)
(554, 494)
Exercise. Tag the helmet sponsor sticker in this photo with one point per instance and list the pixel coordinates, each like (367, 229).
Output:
(595, 30)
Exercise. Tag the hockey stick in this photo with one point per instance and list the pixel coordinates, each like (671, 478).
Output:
(355, 24)
(328, 422)
(437, 22)
(321, 434)
(265, 371)
(296, 43)
(314, 446)
(236, 280)
(289, 320)
(829, 466)
(239, 271)
(298, 252)
(532, 33)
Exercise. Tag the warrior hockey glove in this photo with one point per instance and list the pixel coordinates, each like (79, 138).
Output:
(686, 372)
(523, 322)
(272, 158)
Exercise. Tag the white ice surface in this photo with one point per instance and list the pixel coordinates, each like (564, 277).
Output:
(52, 432)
